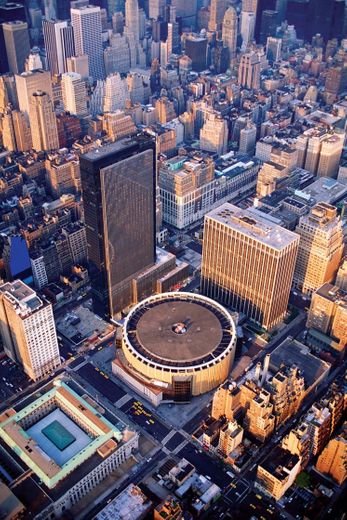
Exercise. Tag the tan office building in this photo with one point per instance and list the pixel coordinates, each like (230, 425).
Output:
(28, 329)
(320, 248)
(248, 263)
(43, 122)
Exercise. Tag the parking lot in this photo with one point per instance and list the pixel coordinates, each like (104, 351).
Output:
(142, 416)
(101, 382)
(12, 379)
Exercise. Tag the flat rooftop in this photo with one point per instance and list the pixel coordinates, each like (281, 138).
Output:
(101, 152)
(76, 432)
(326, 190)
(279, 462)
(253, 224)
(332, 293)
(130, 504)
(291, 352)
(22, 297)
(179, 330)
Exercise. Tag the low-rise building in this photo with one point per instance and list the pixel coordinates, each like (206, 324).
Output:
(67, 445)
(192, 185)
(131, 503)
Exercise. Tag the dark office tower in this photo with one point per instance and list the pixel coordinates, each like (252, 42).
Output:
(337, 29)
(9, 12)
(297, 15)
(63, 9)
(118, 184)
(59, 44)
(196, 47)
(263, 5)
(281, 8)
(320, 18)
(17, 45)
(159, 30)
(268, 25)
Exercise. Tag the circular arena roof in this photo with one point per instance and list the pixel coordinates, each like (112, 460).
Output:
(179, 330)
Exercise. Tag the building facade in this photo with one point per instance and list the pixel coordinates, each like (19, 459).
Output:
(118, 184)
(320, 248)
(248, 263)
(28, 329)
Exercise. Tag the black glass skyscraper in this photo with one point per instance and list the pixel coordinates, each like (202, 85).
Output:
(9, 12)
(118, 184)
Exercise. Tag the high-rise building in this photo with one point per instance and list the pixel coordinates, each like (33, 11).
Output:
(196, 48)
(287, 389)
(249, 6)
(263, 5)
(320, 248)
(330, 155)
(249, 71)
(43, 122)
(298, 443)
(226, 401)
(39, 270)
(74, 94)
(297, 15)
(29, 82)
(17, 45)
(273, 49)
(335, 81)
(328, 313)
(118, 184)
(230, 436)
(8, 91)
(318, 420)
(86, 23)
(268, 25)
(117, 55)
(116, 93)
(187, 11)
(28, 329)
(59, 44)
(78, 64)
(214, 133)
(321, 14)
(22, 131)
(132, 20)
(333, 459)
(117, 125)
(319, 151)
(9, 12)
(217, 11)
(62, 174)
(259, 419)
(341, 277)
(156, 9)
(247, 28)
(229, 32)
(248, 263)
(248, 137)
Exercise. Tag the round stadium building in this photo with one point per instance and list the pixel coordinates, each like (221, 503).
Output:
(175, 346)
